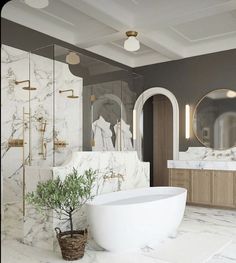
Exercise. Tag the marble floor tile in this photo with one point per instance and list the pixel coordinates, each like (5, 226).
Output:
(196, 220)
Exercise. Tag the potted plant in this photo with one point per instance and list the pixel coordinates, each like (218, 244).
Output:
(65, 198)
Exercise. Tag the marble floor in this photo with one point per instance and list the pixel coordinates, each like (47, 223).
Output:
(197, 220)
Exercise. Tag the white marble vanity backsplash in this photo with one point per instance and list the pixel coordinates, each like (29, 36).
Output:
(207, 154)
(205, 158)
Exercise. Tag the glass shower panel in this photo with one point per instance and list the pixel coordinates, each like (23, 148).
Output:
(68, 104)
(126, 122)
(105, 115)
(40, 111)
(14, 70)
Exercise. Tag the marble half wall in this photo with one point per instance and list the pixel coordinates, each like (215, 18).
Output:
(116, 171)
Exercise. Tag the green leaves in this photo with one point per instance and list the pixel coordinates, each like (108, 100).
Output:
(64, 197)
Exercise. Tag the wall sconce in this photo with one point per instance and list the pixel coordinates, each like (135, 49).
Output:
(187, 121)
(134, 124)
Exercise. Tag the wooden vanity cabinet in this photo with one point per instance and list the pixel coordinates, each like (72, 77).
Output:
(223, 188)
(206, 187)
(201, 186)
(181, 178)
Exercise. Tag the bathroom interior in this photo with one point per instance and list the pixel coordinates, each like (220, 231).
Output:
(143, 93)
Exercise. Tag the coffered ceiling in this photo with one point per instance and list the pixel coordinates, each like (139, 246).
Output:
(167, 29)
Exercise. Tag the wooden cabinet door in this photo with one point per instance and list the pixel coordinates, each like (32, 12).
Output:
(235, 189)
(201, 186)
(223, 188)
(181, 178)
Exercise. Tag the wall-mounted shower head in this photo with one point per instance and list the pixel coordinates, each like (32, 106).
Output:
(72, 96)
(26, 87)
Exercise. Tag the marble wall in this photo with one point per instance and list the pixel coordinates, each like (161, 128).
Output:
(63, 116)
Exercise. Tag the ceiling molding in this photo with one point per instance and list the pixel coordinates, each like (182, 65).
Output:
(167, 30)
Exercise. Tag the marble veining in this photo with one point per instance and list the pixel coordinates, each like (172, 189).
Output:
(19, 65)
(196, 220)
(115, 171)
(205, 158)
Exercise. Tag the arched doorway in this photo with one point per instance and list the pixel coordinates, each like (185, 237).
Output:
(165, 110)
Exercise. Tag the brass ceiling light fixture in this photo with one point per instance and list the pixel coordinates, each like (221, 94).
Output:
(72, 58)
(132, 43)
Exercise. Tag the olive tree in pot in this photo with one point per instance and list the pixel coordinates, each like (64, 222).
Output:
(65, 198)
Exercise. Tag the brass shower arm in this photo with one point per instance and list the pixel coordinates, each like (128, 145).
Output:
(65, 90)
(22, 81)
(27, 87)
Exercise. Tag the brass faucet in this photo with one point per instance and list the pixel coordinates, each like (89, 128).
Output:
(113, 175)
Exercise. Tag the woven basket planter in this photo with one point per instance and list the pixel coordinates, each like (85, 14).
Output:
(72, 248)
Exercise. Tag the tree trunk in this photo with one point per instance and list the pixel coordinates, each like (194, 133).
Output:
(71, 224)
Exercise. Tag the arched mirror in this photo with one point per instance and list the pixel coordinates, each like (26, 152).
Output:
(214, 119)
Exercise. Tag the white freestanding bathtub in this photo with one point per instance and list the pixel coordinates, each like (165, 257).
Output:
(135, 218)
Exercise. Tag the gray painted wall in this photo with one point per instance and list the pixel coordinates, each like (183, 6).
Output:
(189, 80)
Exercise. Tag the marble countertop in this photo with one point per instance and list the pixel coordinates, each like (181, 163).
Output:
(202, 164)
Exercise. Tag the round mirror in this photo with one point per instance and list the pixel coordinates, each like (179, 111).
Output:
(214, 119)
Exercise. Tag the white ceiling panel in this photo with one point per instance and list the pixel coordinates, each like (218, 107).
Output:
(208, 27)
(167, 29)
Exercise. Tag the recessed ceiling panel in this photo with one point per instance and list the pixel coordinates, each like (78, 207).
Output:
(159, 9)
(208, 27)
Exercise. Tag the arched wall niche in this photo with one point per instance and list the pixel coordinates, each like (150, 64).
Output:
(138, 107)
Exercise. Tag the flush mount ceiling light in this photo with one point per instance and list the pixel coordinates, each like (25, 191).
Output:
(37, 3)
(132, 43)
(231, 94)
(72, 58)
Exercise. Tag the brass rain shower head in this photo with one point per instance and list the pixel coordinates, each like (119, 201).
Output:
(27, 87)
(72, 96)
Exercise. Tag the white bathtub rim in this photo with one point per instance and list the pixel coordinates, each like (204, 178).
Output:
(106, 203)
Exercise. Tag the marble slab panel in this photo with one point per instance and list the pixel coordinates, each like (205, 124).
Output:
(205, 165)
(205, 158)
(116, 171)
